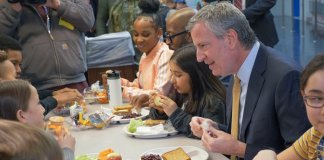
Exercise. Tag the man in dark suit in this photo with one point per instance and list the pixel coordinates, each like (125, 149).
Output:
(258, 13)
(269, 110)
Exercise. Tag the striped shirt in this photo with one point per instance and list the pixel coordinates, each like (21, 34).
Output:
(306, 145)
(153, 74)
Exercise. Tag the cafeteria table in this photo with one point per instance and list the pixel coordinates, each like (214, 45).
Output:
(92, 141)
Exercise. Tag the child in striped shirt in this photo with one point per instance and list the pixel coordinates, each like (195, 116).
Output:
(310, 145)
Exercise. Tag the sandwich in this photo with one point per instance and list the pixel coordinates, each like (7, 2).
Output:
(177, 154)
(122, 110)
(157, 100)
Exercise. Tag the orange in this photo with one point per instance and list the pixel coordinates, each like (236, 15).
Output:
(103, 95)
(103, 154)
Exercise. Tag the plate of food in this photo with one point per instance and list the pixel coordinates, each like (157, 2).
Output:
(123, 114)
(107, 154)
(149, 129)
(180, 152)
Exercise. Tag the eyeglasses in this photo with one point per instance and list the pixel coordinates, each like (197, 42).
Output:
(314, 101)
(170, 37)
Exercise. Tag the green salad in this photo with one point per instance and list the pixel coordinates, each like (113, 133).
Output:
(133, 124)
(85, 157)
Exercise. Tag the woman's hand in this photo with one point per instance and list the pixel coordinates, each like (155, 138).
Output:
(140, 100)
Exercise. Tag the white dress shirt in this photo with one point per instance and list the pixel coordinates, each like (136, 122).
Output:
(244, 75)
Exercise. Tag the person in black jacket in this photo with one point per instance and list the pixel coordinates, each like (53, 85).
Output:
(199, 93)
(258, 13)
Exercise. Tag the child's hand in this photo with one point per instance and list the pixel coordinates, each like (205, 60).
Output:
(66, 141)
(168, 105)
(154, 104)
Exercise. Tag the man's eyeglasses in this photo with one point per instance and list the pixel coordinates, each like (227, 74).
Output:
(314, 101)
(170, 37)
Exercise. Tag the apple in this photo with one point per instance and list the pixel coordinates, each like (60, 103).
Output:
(114, 156)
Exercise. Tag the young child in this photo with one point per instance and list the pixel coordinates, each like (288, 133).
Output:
(28, 110)
(153, 74)
(199, 93)
(19, 141)
(7, 69)
(310, 144)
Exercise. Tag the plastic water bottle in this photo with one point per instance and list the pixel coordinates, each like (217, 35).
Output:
(115, 89)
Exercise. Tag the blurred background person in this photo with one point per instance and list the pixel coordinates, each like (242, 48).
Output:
(20, 141)
(14, 52)
(103, 14)
(258, 13)
(54, 45)
(49, 99)
(180, 4)
(176, 34)
(7, 69)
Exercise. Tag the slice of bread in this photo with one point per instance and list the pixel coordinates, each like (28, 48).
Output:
(177, 154)
(123, 107)
(121, 112)
(153, 122)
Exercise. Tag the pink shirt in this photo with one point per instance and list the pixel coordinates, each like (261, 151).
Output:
(153, 74)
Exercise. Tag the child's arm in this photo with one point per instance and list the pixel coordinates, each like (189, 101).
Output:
(289, 153)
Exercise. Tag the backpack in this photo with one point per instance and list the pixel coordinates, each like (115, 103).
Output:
(122, 15)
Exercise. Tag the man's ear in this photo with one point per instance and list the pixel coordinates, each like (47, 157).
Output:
(188, 38)
(231, 38)
(21, 116)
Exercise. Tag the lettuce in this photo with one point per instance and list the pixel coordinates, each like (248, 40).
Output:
(133, 124)
(85, 157)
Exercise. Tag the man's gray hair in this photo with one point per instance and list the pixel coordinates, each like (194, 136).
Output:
(222, 16)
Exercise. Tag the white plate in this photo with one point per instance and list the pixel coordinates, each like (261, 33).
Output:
(194, 153)
(118, 120)
(153, 135)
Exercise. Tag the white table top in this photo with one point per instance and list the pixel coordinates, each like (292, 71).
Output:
(95, 140)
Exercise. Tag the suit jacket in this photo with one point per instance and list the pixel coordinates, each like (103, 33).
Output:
(274, 114)
(261, 21)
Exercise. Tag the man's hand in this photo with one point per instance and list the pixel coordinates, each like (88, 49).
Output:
(222, 142)
(196, 125)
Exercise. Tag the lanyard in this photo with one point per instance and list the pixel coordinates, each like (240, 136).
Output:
(48, 22)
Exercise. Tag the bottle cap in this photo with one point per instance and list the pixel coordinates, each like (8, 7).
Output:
(113, 74)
